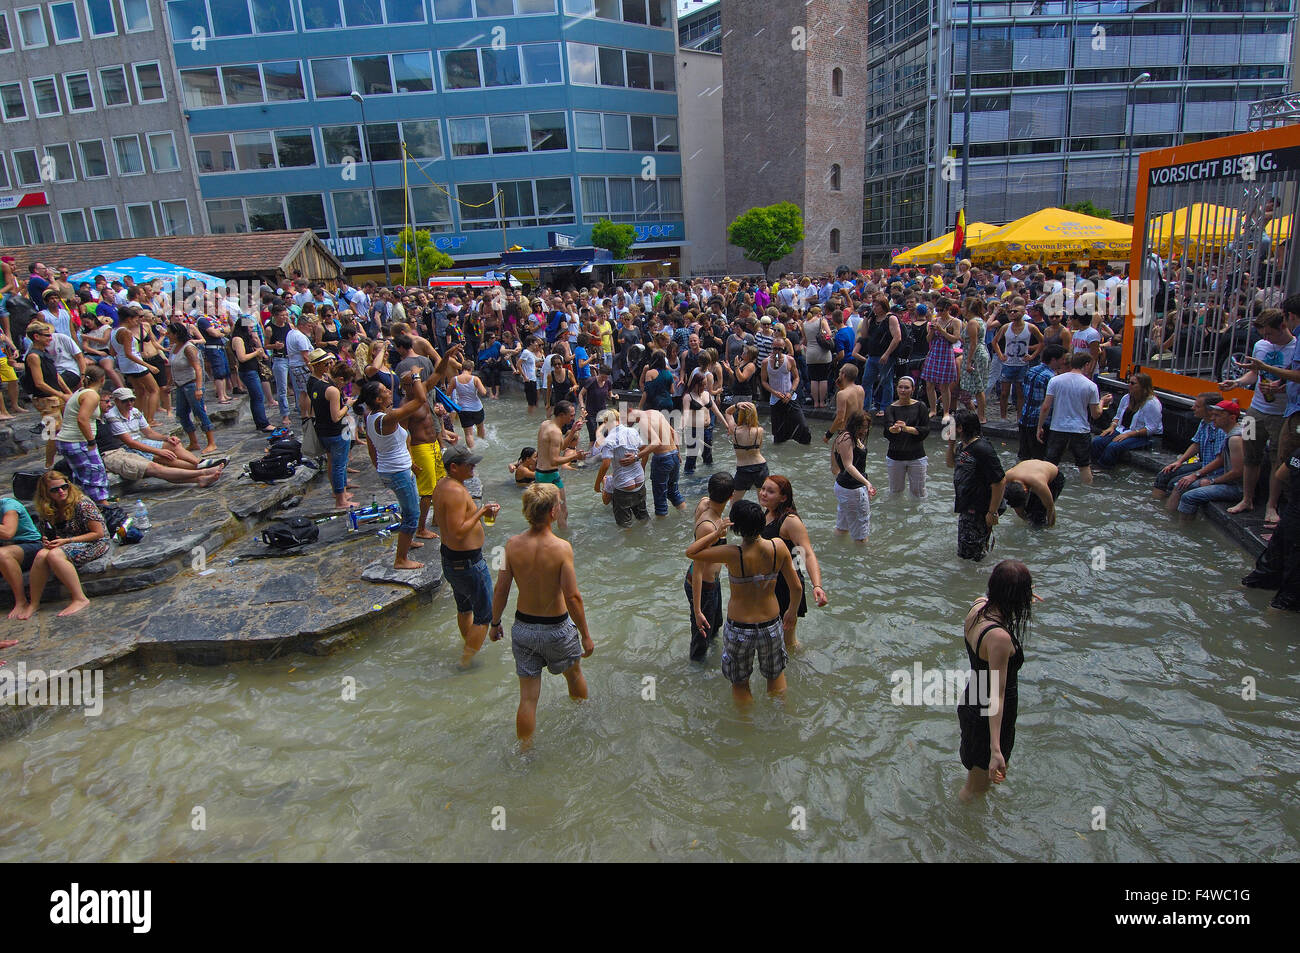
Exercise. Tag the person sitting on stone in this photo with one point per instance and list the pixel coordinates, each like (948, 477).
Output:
(1206, 444)
(1220, 478)
(73, 533)
(131, 466)
(130, 427)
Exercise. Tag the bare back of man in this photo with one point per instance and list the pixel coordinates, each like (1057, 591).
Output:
(848, 398)
(1037, 477)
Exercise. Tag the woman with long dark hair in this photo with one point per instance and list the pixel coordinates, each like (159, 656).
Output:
(73, 533)
(776, 496)
(994, 635)
(853, 491)
(657, 384)
(1140, 417)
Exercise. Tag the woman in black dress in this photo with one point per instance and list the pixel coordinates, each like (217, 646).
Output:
(776, 496)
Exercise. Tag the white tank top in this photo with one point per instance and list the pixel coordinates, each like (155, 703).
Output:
(779, 378)
(466, 395)
(124, 363)
(69, 430)
(1016, 346)
(391, 455)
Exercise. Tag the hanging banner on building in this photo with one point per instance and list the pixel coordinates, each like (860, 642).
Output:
(27, 200)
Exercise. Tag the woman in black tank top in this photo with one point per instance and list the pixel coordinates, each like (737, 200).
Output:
(994, 631)
(777, 497)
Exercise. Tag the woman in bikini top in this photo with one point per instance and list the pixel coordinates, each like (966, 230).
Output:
(752, 597)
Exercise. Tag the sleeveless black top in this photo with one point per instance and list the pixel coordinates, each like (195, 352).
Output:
(844, 478)
(326, 426)
(978, 665)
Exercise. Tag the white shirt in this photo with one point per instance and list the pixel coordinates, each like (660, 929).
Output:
(621, 441)
(1150, 415)
(528, 365)
(297, 345)
(120, 299)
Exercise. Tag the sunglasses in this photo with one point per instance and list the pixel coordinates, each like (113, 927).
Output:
(61, 488)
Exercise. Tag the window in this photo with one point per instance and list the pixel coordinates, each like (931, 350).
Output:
(265, 213)
(616, 133)
(162, 152)
(610, 62)
(63, 169)
(341, 143)
(66, 23)
(321, 15)
(665, 134)
(352, 210)
(331, 77)
(241, 84)
(643, 133)
(665, 80)
(294, 148)
(835, 241)
(587, 130)
(4, 173)
(27, 169)
(112, 83)
(200, 87)
(45, 96)
(509, 134)
(80, 97)
(837, 84)
(253, 150)
(11, 231)
(835, 178)
(306, 211)
(230, 18)
(31, 28)
(383, 143)
(186, 16)
(629, 200)
(148, 83)
(525, 202)
(175, 217)
(372, 75)
(107, 224)
(423, 139)
(102, 19)
(283, 81)
(638, 70)
(130, 160)
(460, 69)
(453, 9)
(226, 216)
(272, 16)
(74, 226)
(501, 67)
(430, 206)
(541, 63)
(582, 64)
(413, 72)
(548, 132)
(644, 12)
(213, 154)
(136, 15)
(40, 228)
(142, 222)
(6, 44)
(326, 15)
(12, 101)
(94, 161)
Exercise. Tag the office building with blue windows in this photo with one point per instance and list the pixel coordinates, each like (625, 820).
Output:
(488, 123)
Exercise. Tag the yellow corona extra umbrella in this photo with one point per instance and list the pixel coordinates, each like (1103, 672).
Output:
(1053, 234)
(940, 249)
(1199, 224)
(1280, 228)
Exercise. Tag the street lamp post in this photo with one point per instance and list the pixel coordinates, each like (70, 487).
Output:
(1128, 157)
(374, 194)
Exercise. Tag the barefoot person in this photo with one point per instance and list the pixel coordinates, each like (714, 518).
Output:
(776, 496)
(754, 623)
(853, 491)
(386, 442)
(1032, 489)
(427, 436)
(73, 533)
(463, 564)
(994, 631)
(703, 592)
(329, 411)
(978, 482)
(554, 450)
(20, 543)
(549, 617)
(747, 439)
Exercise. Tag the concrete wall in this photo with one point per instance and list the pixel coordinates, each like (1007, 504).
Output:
(701, 132)
(89, 55)
(785, 129)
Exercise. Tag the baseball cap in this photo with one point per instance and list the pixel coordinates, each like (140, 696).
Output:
(124, 393)
(461, 455)
(1228, 406)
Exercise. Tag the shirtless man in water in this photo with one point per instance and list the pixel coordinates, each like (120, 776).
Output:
(1031, 490)
(849, 396)
(665, 467)
(554, 450)
(463, 564)
(549, 614)
(702, 587)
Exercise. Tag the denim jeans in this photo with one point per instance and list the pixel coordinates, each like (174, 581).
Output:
(1106, 452)
(878, 382)
(337, 448)
(186, 400)
(664, 470)
(280, 371)
(805, 390)
(1198, 496)
(256, 403)
(402, 483)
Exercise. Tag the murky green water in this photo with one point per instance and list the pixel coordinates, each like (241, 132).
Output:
(1130, 701)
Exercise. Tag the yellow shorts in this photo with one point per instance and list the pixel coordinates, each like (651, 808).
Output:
(426, 461)
(7, 374)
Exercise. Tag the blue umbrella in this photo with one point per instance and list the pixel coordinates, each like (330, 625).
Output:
(144, 269)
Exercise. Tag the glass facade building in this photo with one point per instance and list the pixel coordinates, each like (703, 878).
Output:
(510, 119)
(1051, 100)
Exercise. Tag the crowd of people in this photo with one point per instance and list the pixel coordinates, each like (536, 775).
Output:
(905, 351)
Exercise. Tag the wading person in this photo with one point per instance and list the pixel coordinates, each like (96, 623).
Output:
(781, 380)
(550, 627)
(776, 496)
(747, 439)
(1032, 489)
(463, 564)
(754, 625)
(554, 450)
(853, 491)
(1071, 404)
(624, 449)
(994, 633)
(849, 396)
(978, 482)
(703, 591)
(907, 424)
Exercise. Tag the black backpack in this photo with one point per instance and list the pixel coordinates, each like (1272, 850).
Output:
(287, 447)
(270, 468)
(290, 533)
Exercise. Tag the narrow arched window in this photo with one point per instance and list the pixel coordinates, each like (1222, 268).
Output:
(835, 178)
(835, 241)
(837, 82)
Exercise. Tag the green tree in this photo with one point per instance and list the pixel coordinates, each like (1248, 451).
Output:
(618, 238)
(768, 233)
(420, 257)
(1087, 208)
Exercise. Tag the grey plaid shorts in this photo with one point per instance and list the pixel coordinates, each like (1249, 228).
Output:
(536, 645)
(740, 640)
